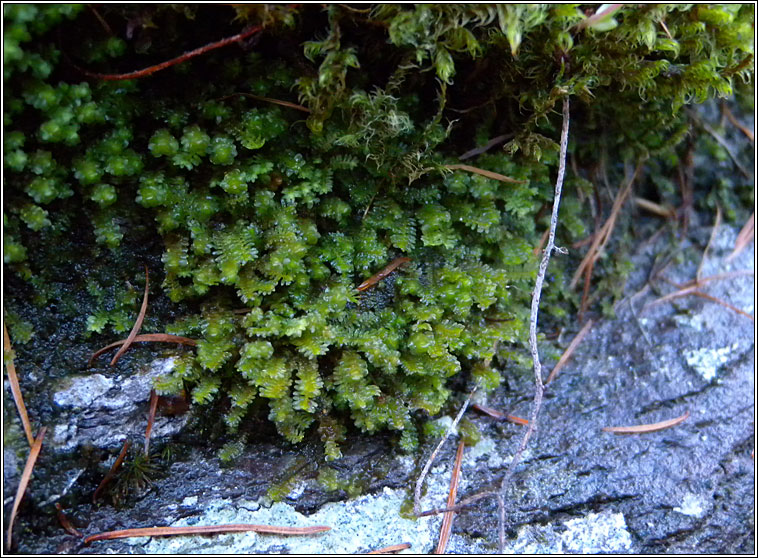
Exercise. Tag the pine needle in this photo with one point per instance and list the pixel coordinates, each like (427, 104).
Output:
(494, 413)
(150, 420)
(146, 338)
(65, 523)
(488, 174)
(112, 471)
(447, 519)
(137, 324)
(390, 548)
(744, 237)
(643, 428)
(205, 530)
(15, 386)
(569, 351)
(163, 65)
(25, 476)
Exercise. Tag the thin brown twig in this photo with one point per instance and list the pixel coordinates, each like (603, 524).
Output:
(137, 324)
(488, 174)
(15, 386)
(569, 351)
(179, 59)
(447, 519)
(643, 428)
(112, 471)
(150, 421)
(26, 475)
(205, 530)
(147, 338)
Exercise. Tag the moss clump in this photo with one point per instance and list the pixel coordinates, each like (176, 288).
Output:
(269, 222)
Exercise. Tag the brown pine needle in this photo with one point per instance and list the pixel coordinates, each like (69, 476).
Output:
(498, 415)
(569, 351)
(390, 548)
(744, 129)
(205, 530)
(603, 236)
(655, 208)
(643, 428)
(744, 237)
(150, 420)
(65, 523)
(269, 100)
(186, 56)
(15, 386)
(146, 338)
(488, 174)
(137, 324)
(706, 296)
(714, 231)
(25, 476)
(447, 519)
(112, 472)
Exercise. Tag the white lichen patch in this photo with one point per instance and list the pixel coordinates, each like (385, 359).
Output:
(595, 533)
(83, 391)
(366, 523)
(707, 362)
(693, 505)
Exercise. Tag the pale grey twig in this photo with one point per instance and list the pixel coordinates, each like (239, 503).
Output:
(425, 470)
(539, 387)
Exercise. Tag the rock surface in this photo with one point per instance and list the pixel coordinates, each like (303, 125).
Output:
(579, 489)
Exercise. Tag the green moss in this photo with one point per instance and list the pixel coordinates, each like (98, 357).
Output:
(269, 222)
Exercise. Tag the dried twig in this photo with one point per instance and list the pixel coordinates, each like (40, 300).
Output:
(150, 421)
(15, 386)
(642, 428)
(137, 324)
(447, 519)
(536, 293)
(488, 174)
(569, 351)
(25, 476)
(112, 471)
(147, 338)
(179, 59)
(206, 530)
